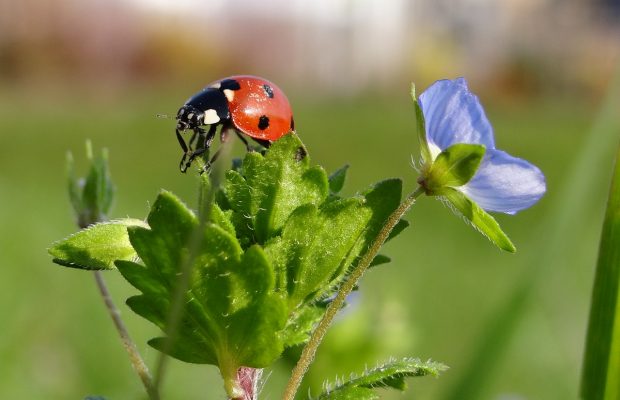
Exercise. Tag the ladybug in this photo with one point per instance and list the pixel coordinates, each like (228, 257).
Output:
(247, 105)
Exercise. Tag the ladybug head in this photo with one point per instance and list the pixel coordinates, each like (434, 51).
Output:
(189, 117)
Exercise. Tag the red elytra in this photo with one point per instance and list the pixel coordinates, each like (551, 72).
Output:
(259, 108)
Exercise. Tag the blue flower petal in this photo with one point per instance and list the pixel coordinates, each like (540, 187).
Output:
(504, 183)
(454, 115)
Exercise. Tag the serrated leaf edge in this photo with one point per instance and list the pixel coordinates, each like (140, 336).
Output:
(428, 367)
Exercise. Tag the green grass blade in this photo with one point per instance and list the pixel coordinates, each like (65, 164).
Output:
(601, 364)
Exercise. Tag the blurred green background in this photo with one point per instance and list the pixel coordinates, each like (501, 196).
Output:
(71, 71)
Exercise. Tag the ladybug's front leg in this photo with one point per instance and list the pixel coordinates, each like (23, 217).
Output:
(185, 150)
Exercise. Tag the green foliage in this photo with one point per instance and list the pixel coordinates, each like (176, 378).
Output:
(267, 189)
(454, 166)
(96, 247)
(601, 369)
(320, 237)
(389, 375)
(91, 197)
(266, 251)
(480, 219)
(232, 313)
(336, 180)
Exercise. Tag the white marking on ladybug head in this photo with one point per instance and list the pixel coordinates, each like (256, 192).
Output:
(216, 85)
(230, 94)
(211, 117)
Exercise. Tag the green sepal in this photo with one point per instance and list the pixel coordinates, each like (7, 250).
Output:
(337, 178)
(91, 197)
(232, 315)
(389, 375)
(480, 219)
(420, 128)
(96, 247)
(455, 166)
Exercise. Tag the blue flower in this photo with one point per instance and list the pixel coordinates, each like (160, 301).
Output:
(454, 115)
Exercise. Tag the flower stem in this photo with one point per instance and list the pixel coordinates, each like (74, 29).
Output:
(309, 351)
(134, 356)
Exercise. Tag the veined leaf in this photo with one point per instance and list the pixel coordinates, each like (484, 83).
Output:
(269, 188)
(232, 315)
(96, 247)
(389, 375)
(336, 180)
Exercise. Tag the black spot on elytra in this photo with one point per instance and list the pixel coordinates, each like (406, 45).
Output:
(268, 90)
(292, 124)
(263, 122)
(300, 154)
(229, 84)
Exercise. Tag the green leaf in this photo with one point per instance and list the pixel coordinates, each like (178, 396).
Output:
(301, 324)
(315, 245)
(454, 166)
(389, 375)
(398, 228)
(479, 219)
(352, 393)
(421, 128)
(336, 180)
(232, 316)
(319, 244)
(269, 188)
(96, 247)
(601, 366)
(379, 260)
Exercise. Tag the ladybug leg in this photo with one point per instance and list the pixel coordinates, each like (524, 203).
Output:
(208, 139)
(184, 147)
(193, 138)
(244, 140)
(263, 142)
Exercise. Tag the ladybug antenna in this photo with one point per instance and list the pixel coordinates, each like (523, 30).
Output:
(163, 116)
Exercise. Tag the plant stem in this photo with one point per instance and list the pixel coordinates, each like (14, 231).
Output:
(309, 351)
(195, 241)
(247, 380)
(134, 356)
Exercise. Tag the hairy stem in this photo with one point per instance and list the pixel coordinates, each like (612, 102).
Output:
(134, 356)
(206, 198)
(247, 380)
(309, 351)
